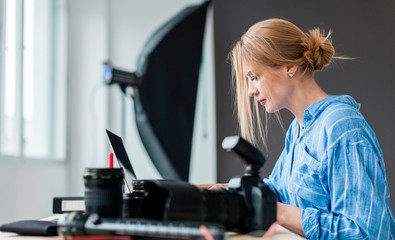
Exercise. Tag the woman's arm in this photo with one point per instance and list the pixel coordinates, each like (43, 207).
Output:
(290, 217)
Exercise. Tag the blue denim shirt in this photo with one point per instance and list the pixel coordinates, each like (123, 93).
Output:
(334, 170)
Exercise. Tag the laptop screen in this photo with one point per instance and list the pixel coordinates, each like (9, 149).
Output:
(122, 157)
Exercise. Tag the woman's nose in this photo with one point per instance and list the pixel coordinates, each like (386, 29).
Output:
(252, 91)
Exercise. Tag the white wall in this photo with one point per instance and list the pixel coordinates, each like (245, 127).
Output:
(87, 96)
(97, 30)
(27, 188)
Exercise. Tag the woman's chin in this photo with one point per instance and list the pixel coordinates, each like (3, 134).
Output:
(270, 109)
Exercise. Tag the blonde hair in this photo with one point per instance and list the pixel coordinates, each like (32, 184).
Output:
(273, 42)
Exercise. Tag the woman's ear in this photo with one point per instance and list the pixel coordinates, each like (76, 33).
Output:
(291, 70)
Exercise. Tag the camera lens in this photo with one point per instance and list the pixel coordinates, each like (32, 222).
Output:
(180, 201)
(132, 204)
(103, 191)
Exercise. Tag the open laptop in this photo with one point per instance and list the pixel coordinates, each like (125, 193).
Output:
(122, 158)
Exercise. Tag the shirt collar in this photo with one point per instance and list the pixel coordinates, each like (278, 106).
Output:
(315, 109)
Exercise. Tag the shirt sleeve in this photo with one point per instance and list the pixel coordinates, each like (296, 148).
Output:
(359, 197)
(273, 181)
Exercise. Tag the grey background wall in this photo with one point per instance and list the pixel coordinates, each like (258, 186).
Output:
(361, 29)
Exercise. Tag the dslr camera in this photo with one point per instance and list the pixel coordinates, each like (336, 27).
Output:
(246, 204)
(176, 209)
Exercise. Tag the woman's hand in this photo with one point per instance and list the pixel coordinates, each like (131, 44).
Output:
(216, 186)
(270, 232)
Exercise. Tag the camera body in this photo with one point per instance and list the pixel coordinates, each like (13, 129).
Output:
(260, 201)
(247, 204)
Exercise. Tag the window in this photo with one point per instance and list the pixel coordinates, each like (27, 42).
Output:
(33, 79)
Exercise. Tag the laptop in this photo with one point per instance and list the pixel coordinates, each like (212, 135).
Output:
(122, 157)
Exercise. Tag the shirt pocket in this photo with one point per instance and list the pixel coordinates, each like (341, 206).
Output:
(305, 180)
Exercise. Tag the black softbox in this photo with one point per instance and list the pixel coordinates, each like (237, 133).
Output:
(165, 102)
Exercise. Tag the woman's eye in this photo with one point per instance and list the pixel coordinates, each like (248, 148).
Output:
(251, 78)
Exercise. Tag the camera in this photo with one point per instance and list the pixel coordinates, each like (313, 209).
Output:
(177, 208)
(247, 204)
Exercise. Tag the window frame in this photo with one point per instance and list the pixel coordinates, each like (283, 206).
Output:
(19, 131)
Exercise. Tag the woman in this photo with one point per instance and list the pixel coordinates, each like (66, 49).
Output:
(330, 179)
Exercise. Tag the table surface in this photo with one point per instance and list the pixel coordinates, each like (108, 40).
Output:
(281, 234)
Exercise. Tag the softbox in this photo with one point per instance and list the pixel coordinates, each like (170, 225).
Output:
(168, 67)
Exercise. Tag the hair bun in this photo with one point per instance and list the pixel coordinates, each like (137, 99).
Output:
(319, 50)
